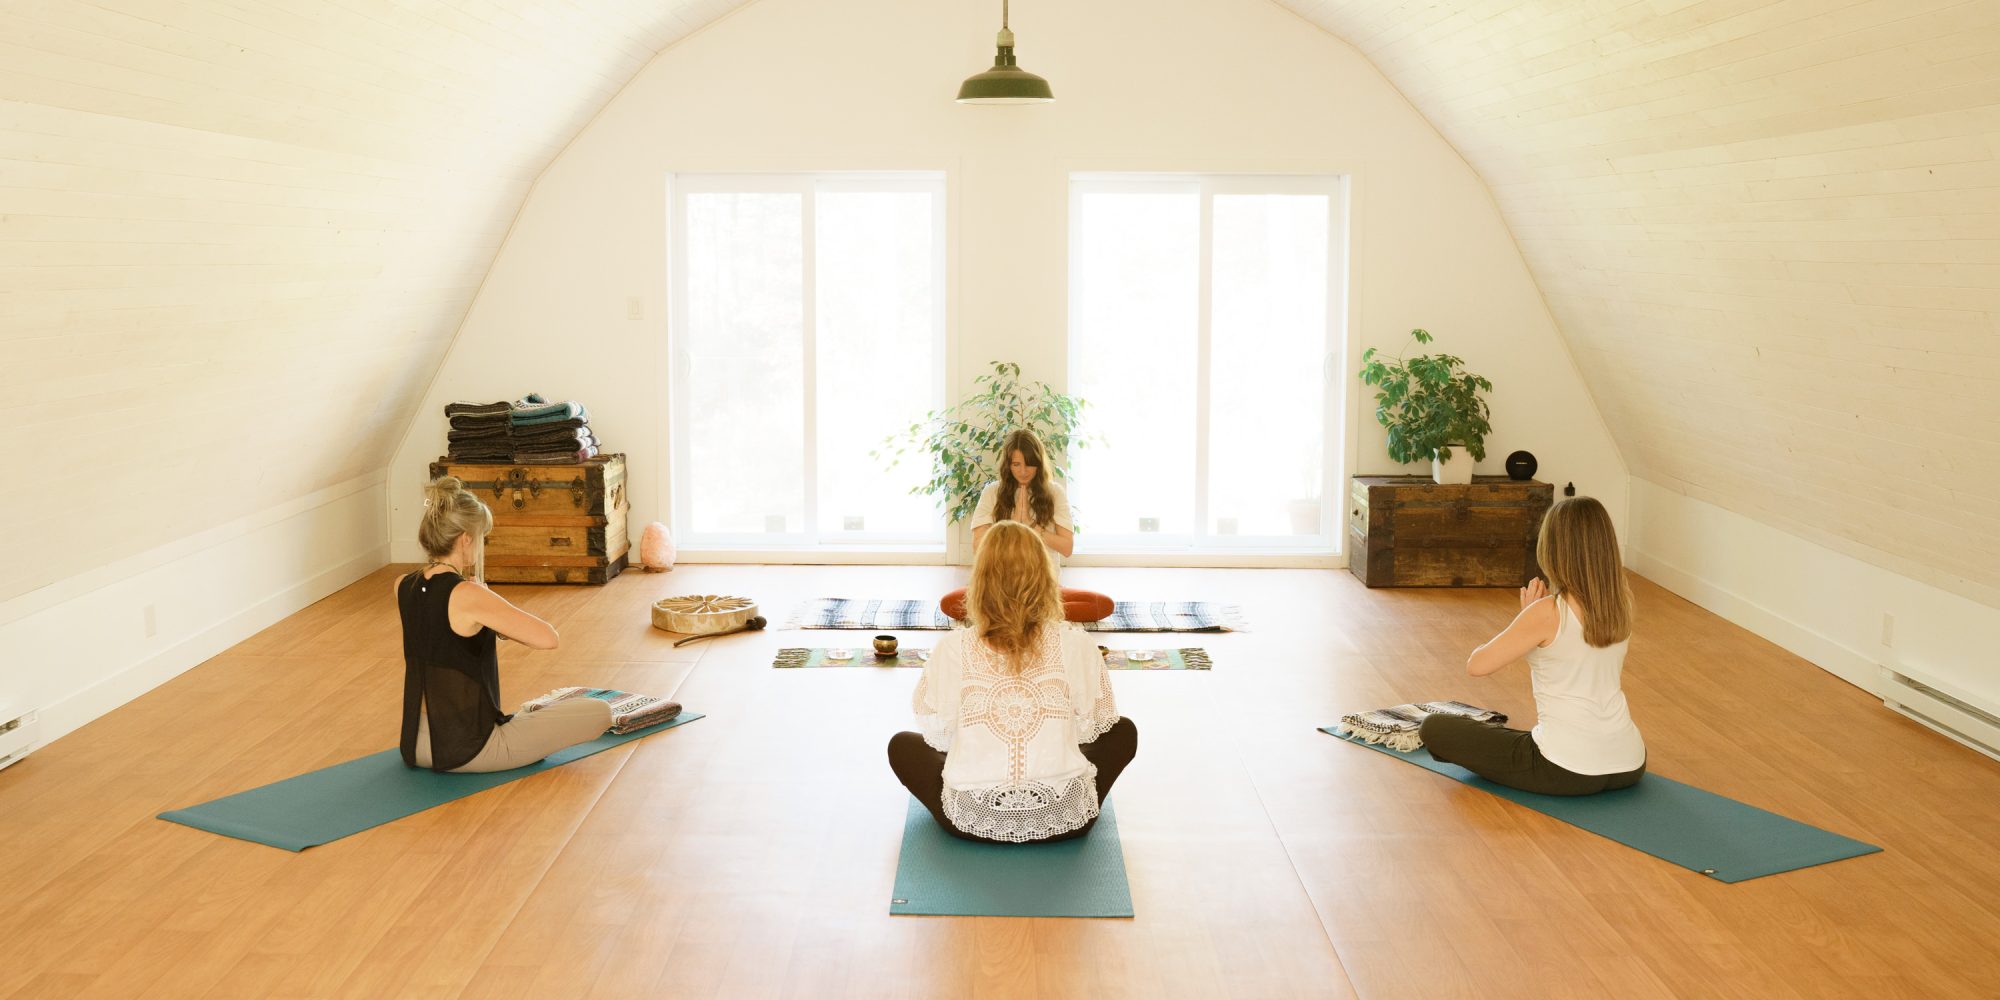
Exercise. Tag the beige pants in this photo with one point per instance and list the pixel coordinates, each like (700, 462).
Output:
(528, 737)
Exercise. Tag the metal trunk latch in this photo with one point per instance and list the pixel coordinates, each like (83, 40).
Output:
(516, 482)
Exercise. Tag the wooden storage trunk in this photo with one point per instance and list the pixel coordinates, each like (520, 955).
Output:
(551, 523)
(1407, 531)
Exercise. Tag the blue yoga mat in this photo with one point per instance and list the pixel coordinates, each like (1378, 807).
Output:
(1717, 836)
(325, 805)
(940, 875)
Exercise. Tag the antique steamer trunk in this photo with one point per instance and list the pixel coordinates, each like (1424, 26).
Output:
(551, 523)
(1407, 531)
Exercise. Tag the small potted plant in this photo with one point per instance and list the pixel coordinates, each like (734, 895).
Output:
(1432, 408)
(962, 443)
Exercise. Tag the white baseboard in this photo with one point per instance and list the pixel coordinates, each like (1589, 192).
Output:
(85, 645)
(1850, 665)
(76, 711)
(1856, 619)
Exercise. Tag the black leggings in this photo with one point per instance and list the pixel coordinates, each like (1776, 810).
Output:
(921, 770)
(1510, 757)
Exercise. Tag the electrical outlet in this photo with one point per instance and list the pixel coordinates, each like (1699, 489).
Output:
(152, 620)
(851, 523)
(774, 524)
(1225, 526)
(1149, 524)
(1888, 629)
(635, 308)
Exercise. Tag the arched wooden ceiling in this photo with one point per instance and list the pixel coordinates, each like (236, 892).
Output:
(236, 238)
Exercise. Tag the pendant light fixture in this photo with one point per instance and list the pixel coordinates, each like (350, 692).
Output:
(1005, 83)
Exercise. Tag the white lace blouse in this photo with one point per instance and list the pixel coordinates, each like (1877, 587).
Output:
(1012, 770)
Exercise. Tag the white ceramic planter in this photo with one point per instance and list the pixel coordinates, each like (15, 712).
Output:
(1457, 472)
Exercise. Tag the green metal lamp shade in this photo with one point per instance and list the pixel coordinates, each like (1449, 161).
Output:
(1005, 83)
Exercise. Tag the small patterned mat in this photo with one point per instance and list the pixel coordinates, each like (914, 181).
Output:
(1127, 616)
(1189, 658)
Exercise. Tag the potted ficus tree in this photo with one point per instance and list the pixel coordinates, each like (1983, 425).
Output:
(1432, 408)
(961, 443)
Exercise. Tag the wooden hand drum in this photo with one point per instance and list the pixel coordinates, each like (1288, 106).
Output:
(703, 614)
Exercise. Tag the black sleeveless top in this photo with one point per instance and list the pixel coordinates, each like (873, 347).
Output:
(454, 678)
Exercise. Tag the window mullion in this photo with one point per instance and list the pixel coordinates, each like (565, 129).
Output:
(1203, 352)
(809, 331)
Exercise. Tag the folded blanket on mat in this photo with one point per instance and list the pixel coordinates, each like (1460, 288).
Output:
(501, 409)
(1126, 616)
(1396, 726)
(629, 712)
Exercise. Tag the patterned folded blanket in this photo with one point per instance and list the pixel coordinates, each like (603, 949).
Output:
(629, 712)
(1396, 726)
(501, 408)
(568, 409)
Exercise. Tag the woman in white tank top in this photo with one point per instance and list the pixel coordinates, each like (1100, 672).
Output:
(1574, 640)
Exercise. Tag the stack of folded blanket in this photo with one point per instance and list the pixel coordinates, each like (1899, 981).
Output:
(480, 432)
(550, 433)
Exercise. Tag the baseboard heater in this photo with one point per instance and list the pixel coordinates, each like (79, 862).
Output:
(1936, 706)
(19, 734)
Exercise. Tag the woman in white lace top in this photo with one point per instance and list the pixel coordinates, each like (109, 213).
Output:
(1020, 737)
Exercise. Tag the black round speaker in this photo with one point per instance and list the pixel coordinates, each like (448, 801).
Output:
(1520, 465)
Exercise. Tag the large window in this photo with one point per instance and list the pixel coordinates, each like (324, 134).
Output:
(808, 324)
(1204, 328)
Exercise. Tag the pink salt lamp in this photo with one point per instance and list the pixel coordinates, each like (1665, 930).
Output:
(656, 548)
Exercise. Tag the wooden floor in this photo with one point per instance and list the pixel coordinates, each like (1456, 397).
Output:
(751, 854)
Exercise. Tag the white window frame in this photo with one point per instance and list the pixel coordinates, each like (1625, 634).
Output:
(1094, 544)
(842, 546)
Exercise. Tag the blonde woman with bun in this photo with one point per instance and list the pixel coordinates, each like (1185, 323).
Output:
(1021, 738)
(451, 670)
(1026, 494)
(1573, 631)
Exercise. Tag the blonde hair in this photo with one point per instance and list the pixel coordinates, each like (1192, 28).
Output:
(1578, 550)
(1013, 592)
(450, 510)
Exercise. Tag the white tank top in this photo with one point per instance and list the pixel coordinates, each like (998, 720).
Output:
(1581, 724)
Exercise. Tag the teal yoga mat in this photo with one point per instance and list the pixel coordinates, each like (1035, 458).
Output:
(940, 875)
(1716, 836)
(325, 805)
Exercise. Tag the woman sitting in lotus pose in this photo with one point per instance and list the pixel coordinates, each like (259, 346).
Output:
(1021, 738)
(1028, 495)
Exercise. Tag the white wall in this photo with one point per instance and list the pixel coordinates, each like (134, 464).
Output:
(1825, 606)
(79, 649)
(1770, 233)
(1179, 85)
(236, 239)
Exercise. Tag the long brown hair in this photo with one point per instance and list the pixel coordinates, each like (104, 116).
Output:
(1041, 505)
(1578, 550)
(1013, 592)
